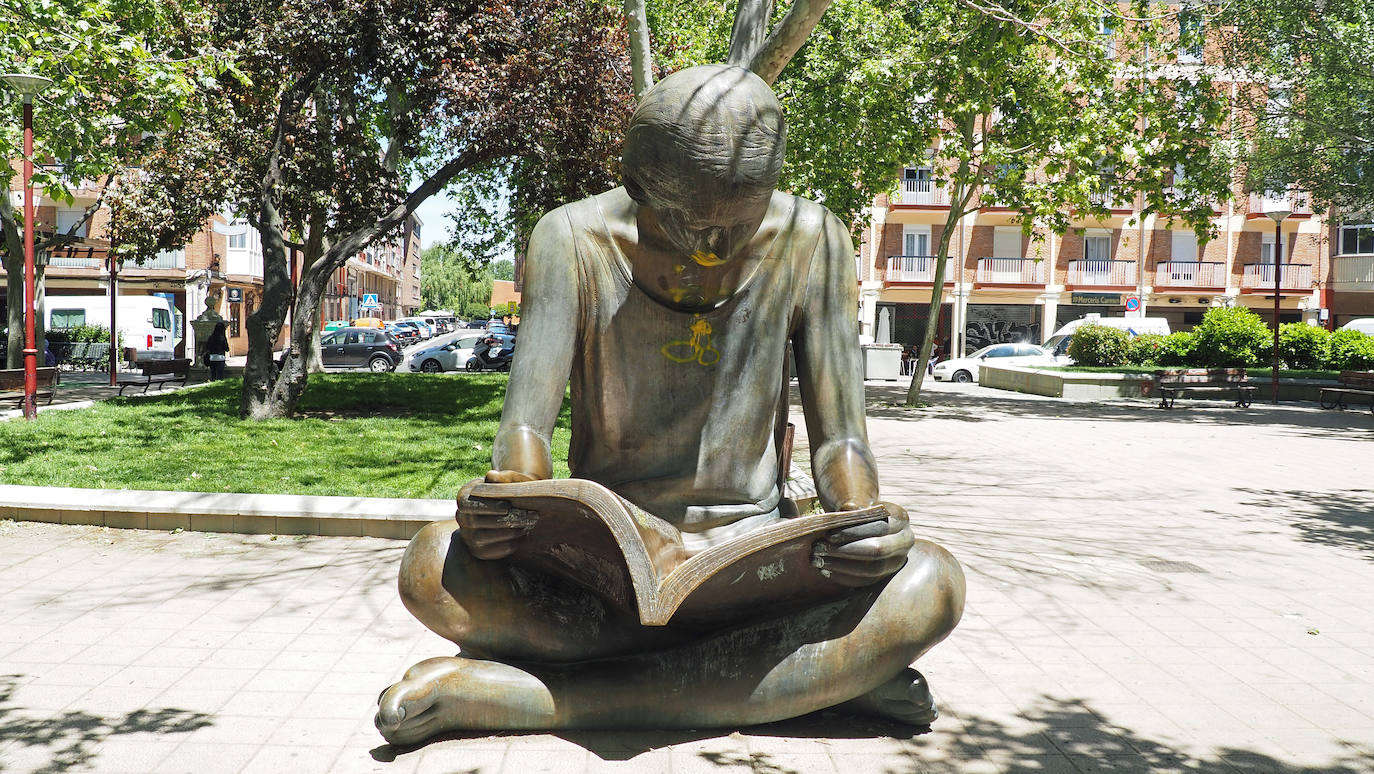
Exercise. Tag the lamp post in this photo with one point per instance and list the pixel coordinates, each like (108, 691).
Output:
(1275, 209)
(27, 86)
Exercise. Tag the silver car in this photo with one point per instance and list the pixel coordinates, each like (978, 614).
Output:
(449, 354)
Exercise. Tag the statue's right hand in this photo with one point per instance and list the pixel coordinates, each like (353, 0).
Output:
(491, 528)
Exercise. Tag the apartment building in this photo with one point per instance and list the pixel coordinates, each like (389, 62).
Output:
(224, 257)
(1003, 286)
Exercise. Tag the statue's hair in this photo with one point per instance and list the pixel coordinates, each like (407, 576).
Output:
(718, 123)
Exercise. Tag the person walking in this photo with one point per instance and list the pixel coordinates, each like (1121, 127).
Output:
(216, 350)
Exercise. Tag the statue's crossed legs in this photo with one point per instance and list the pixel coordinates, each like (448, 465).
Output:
(547, 655)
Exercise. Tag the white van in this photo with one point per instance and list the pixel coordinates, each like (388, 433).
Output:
(1058, 345)
(146, 323)
(1364, 325)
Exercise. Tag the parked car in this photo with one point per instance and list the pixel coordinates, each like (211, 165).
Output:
(356, 347)
(965, 369)
(477, 324)
(1058, 344)
(403, 334)
(449, 354)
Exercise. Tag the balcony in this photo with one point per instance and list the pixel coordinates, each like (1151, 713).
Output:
(921, 193)
(1112, 202)
(1299, 204)
(915, 269)
(1011, 271)
(77, 258)
(167, 259)
(1354, 272)
(1102, 274)
(1191, 274)
(1259, 277)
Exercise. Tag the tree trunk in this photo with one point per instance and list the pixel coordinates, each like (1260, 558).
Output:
(267, 394)
(937, 301)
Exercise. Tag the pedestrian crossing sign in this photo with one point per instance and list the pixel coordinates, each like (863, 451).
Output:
(370, 301)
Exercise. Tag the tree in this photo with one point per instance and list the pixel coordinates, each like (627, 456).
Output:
(1310, 68)
(1036, 115)
(503, 270)
(119, 68)
(448, 281)
(335, 106)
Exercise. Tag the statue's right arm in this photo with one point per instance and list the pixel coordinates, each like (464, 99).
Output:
(544, 351)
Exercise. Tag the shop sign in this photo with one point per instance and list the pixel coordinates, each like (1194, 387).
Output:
(235, 295)
(1095, 299)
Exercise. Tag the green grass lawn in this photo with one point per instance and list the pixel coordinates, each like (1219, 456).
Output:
(361, 435)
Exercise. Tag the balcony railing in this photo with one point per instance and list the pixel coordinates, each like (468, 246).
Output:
(914, 268)
(921, 192)
(1260, 276)
(168, 259)
(1355, 272)
(76, 259)
(1296, 202)
(1011, 271)
(1111, 201)
(1190, 274)
(1098, 273)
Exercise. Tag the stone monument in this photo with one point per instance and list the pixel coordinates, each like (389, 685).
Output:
(670, 304)
(203, 325)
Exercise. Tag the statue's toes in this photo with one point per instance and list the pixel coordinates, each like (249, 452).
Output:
(403, 712)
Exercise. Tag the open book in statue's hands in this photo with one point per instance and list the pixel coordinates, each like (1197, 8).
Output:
(583, 531)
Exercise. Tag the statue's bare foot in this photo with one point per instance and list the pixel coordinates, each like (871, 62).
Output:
(905, 698)
(439, 695)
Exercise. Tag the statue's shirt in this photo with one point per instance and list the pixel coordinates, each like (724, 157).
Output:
(675, 410)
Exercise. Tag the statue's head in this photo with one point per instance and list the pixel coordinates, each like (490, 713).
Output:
(704, 151)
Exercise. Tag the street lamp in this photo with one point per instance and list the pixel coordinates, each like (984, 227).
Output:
(27, 86)
(1277, 209)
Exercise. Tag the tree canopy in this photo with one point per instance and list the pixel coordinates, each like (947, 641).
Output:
(1309, 109)
(448, 281)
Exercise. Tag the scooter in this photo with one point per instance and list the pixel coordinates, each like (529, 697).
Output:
(492, 354)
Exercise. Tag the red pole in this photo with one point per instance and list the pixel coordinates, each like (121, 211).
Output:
(30, 346)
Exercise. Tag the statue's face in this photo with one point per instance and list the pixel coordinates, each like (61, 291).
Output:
(708, 228)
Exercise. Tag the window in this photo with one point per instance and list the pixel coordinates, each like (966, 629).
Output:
(916, 240)
(239, 241)
(1097, 247)
(329, 339)
(1190, 35)
(353, 337)
(370, 338)
(1003, 350)
(1006, 243)
(68, 318)
(1184, 246)
(1267, 249)
(1357, 240)
(162, 319)
(68, 219)
(1106, 35)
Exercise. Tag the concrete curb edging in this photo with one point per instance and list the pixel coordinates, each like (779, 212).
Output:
(252, 514)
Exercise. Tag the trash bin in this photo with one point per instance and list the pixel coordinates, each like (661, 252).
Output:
(882, 361)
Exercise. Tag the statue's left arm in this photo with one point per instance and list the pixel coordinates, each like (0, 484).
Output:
(825, 343)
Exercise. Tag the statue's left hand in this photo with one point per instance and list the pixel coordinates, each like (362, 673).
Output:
(866, 553)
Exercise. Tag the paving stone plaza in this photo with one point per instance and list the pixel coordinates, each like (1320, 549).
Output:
(1149, 591)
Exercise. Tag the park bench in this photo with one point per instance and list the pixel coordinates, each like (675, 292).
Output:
(12, 384)
(1359, 384)
(159, 372)
(1172, 382)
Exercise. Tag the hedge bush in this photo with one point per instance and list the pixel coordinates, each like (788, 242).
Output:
(1304, 346)
(1231, 337)
(1144, 349)
(87, 333)
(1098, 345)
(1176, 350)
(1350, 351)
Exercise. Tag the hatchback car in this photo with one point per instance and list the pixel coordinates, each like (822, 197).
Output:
(449, 354)
(965, 369)
(367, 348)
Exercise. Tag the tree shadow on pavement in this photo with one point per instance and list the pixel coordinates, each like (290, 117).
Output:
(1341, 519)
(72, 738)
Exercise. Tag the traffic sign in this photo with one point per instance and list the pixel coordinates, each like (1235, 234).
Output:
(370, 301)
(1132, 303)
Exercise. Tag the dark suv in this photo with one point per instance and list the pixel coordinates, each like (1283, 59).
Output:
(360, 347)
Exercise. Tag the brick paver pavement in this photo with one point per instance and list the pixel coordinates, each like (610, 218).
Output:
(1148, 591)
